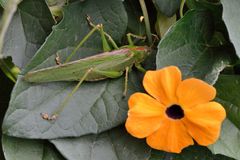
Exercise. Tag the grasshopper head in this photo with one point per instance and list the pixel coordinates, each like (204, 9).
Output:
(141, 53)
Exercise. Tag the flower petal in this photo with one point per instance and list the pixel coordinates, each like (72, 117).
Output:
(162, 84)
(144, 115)
(142, 105)
(142, 127)
(172, 136)
(203, 122)
(193, 91)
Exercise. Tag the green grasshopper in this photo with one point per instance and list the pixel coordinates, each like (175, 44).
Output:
(110, 64)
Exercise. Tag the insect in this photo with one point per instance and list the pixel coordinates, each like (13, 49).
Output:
(109, 64)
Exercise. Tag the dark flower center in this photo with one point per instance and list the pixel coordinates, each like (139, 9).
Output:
(175, 112)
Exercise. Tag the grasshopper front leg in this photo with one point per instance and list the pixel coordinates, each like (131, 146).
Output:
(139, 67)
(130, 41)
(98, 27)
(116, 74)
(103, 34)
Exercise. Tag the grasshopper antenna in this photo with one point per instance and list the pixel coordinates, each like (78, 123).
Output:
(155, 39)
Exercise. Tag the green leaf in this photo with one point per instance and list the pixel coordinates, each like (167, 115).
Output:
(115, 144)
(190, 153)
(96, 106)
(27, 31)
(24, 149)
(3, 3)
(228, 95)
(216, 10)
(232, 21)
(167, 7)
(187, 45)
(228, 143)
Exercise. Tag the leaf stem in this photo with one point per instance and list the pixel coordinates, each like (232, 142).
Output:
(9, 10)
(9, 71)
(146, 20)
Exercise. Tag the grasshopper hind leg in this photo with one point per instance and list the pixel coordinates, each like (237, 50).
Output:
(66, 99)
(110, 74)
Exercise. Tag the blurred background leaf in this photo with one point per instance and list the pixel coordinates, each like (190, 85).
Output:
(230, 12)
(168, 8)
(29, 27)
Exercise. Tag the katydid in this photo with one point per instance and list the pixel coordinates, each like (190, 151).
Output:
(111, 64)
(101, 66)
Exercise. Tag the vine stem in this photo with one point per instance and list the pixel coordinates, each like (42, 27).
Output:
(146, 20)
(9, 10)
(181, 8)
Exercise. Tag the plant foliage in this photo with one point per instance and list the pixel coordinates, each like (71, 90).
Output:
(201, 37)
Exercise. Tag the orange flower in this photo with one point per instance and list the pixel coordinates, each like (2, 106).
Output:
(176, 112)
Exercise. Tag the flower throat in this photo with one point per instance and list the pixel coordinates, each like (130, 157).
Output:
(175, 112)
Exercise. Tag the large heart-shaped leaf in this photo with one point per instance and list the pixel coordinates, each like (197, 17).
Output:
(187, 45)
(23, 149)
(96, 106)
(115, 144)
(230, 12)
(27, 31)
